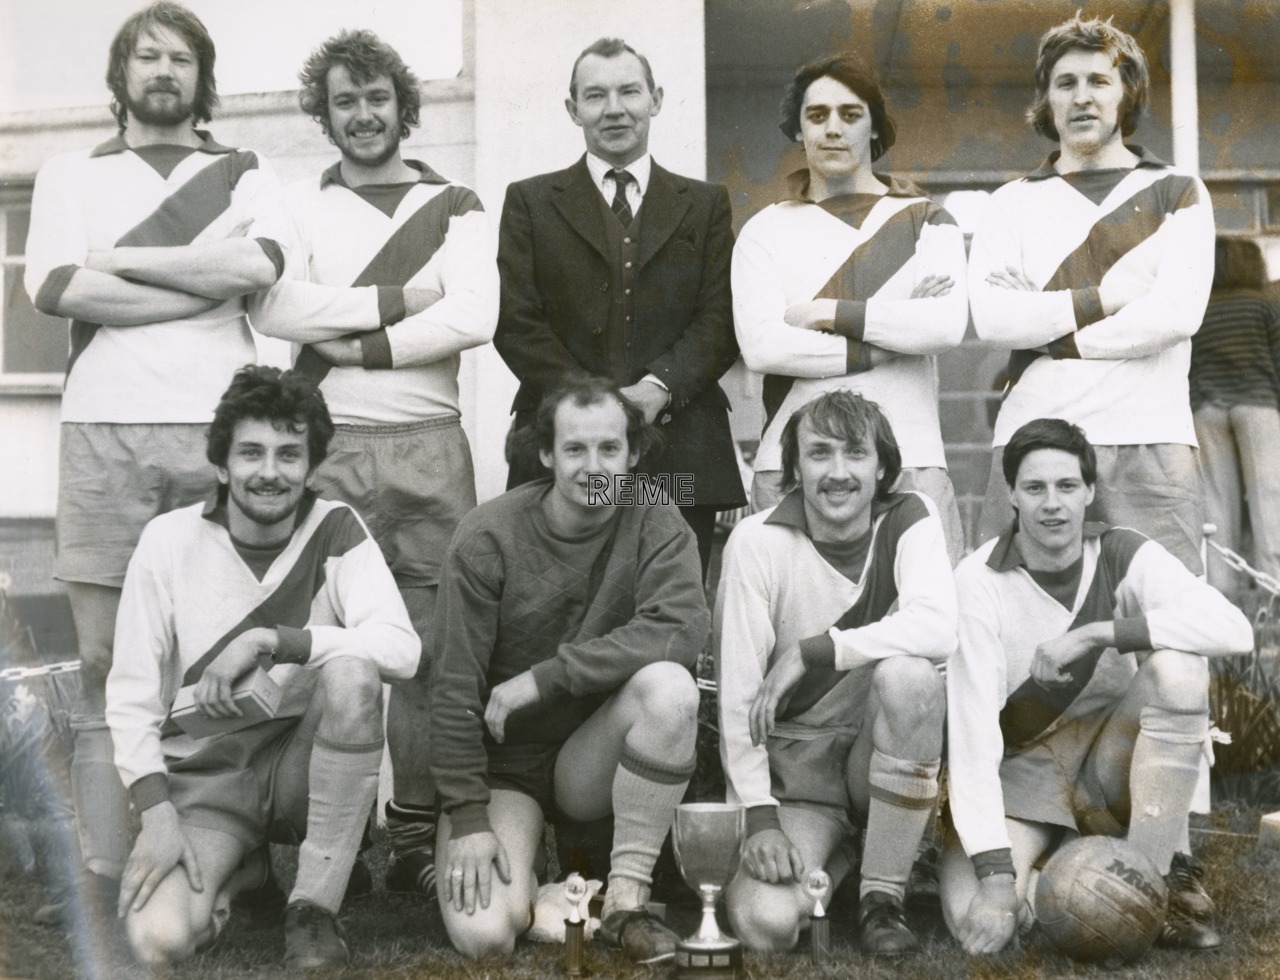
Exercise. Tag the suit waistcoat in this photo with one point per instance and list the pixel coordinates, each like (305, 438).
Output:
(624, 250)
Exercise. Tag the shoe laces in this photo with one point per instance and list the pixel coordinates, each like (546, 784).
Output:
(1185, 873)
(883, 912)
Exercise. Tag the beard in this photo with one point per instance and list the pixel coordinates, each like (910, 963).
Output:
(264, 513)
(347, 146)
(157, 112)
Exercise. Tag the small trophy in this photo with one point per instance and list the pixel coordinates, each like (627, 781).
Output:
(707, 839)
(575, 889)
(816, 884)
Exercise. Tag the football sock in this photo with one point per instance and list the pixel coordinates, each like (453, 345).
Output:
(1162, 779)
(342, 789)
(646, 793)
(410, 827)
(903, 794)
(102, 805)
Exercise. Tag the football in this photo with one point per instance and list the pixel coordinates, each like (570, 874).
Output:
(1100, 899)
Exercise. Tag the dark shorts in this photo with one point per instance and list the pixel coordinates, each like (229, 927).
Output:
(112, 480)
(529, 769)
(231, 783)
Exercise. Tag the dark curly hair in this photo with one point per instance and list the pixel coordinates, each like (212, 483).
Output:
(365, 56)
(260, 392)
(1049, 434)
(171, 17)
(1091, 35)
(847, 416)
(854, 76)
(524, 444)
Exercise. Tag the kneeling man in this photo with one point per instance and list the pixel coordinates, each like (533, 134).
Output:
(262, 575)
(567, 629)
(1078, 701)
(834, 609)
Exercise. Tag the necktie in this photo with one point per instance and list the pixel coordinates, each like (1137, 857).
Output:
(621, 208)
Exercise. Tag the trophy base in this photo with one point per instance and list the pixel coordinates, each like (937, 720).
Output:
(721, 961)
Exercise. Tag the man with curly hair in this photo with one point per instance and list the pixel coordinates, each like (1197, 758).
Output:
(390, 274)
(854, 280)
(1094, 271)
(263, 575)
(141, 243)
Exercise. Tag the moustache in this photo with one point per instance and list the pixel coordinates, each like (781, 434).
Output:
(839, 486)
(168, 88)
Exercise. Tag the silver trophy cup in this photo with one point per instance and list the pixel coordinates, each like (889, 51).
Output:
(707, 838)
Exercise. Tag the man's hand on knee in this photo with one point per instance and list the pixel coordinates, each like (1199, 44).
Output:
(991, 920)
(160, 847)
(770, 856)
(471, 861)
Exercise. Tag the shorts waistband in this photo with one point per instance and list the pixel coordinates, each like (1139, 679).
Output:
(403, 428)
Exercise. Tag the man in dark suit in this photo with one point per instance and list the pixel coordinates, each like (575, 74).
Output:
(620, 268)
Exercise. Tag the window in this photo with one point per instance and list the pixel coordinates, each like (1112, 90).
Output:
(33, 347)
(1272, 218)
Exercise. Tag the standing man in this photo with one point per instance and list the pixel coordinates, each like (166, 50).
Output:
(141, 243)
(1078, 699)
(854, 281)
(263, 575)
(834, 608)
(1095, 270)
(567, 631)
(620, 268)
(390, 275)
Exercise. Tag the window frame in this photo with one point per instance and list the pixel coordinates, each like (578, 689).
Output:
(16, 195)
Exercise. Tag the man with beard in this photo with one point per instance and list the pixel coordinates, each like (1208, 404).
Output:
(263, 576)
(389, 276)
(1095, 270)
(835, 606)
(141, 243)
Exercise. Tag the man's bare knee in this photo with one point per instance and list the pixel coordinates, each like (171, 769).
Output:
(1179, 681)
(764, 917)
(910, 686)
(668, 695)
(352, 697)
(160, 935)
(489, 932)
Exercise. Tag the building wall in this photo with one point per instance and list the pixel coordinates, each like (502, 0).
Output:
(972, 137)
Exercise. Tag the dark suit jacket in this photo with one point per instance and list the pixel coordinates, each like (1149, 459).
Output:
(553, 259)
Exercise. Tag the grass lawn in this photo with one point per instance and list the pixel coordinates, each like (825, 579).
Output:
(402, 937)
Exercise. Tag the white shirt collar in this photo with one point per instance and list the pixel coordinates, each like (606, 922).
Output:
(639, 169)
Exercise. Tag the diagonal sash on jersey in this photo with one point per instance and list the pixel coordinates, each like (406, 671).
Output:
(290, 603)
(181, 216)
(402, 256)
(1110, 239)
(1032, 709)
(879, 257)
(879, 594)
